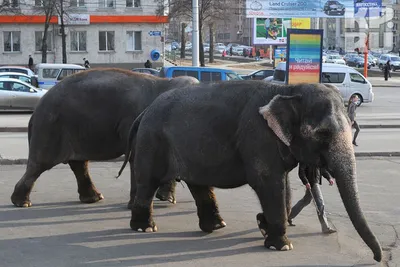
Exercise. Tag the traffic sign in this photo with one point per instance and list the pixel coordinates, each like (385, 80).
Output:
(155, 33)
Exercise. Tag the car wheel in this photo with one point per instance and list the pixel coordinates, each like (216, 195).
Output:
(360, 99)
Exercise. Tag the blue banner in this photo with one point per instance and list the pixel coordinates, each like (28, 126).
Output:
(367, 8)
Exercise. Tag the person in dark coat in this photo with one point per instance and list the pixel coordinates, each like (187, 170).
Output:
(30, 62)
(147, 64)
(386, 70)
(86, 63)
(351, 110)
(230, 51)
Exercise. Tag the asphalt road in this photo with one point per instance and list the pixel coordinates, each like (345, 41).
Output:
(384, 110)
(59, 231)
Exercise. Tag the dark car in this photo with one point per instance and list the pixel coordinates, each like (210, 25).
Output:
(357, 62)
(334, 8)
(258, 74)
(147, 71)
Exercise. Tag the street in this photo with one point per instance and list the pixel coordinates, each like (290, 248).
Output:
(59, 231)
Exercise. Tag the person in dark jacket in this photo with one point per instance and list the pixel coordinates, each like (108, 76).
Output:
(30, 63)
(86, 63)
(311, 177)
(147, 64)
(351, 110)
(386, 70)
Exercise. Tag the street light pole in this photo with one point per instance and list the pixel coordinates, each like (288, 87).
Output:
(195, 33)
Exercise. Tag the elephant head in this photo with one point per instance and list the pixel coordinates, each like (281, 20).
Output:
(310, 119)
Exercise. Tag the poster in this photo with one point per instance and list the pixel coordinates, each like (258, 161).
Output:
(279, 55)
(367, 8)
(304, 56)
(270, 31)
(300, 8)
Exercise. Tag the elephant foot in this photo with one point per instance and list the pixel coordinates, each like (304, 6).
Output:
(91, 197)
(210, 223)
(142, 221)
(262, 224)
(281, 243)
(19, 201)
(166, 196)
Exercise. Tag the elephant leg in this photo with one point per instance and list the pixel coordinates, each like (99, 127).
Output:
(22, 190)
(133, 184)
(272, 195)
(166, 192)
(288, 196)
(142, 208)
(86, 189)
(207, 208)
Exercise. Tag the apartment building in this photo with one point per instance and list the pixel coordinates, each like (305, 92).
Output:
(106, 32)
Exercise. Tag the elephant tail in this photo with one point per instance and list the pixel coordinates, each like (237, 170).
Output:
(30, 124)
(131, 138)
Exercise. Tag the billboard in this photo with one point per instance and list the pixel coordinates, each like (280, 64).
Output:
(304, 56)
(279, 55)
(270, 31)
(300, 8)
(367, 8)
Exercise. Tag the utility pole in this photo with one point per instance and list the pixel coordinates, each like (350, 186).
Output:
(63, 37)
(195, 33)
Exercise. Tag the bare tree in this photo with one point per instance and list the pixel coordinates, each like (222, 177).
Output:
(183, 40)
(209, 10)
(61, 13)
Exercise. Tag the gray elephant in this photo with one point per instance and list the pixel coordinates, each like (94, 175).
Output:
(244, 132)
(85, 117)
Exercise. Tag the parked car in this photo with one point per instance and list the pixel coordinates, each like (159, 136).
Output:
(206, 47)
(335, 58)
(203, 74)
(258, 74)
(17, 75)
(350, 55)
(19, 69)
(348, 80)
(357, 62)
(394, 61)
(16, 94)
(324, 56)
(334, 8)
(49, 74)
(147, 71)
(219, 47)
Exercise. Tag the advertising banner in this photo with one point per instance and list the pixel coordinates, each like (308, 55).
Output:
(304, 56)
(367, 8)
(300, 8)
(270, 31)
(279, 55)
(301, 23)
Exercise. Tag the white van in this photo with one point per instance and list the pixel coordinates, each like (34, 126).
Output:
(49, 74)
(346, 79)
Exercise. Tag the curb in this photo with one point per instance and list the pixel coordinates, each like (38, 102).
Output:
(122, 158)
(362, 126)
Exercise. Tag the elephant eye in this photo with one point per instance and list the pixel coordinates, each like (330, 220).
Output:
(324, 134)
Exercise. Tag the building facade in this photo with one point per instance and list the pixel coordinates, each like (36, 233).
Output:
(107, 32)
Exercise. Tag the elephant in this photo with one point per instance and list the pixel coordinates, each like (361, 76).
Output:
(233, 133)
(87, 116)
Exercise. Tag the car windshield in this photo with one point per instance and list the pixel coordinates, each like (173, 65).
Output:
(395, 58)
(233, 76)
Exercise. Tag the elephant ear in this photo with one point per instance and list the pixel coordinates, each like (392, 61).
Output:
(281, 114)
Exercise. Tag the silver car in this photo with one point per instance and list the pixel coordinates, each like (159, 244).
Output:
(16, 94)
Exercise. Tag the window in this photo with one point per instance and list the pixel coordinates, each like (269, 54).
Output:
(50, 73)
(132, 3)
(10, 3)
(66, 72)
(107, 4)
(333, 77)
(38, 41)
(106, 41)
(19, 87)
(232, 76)
(12, 41)
(177, 73)
(77, 3)
(134, 41)
(78, 41)
(357, 78)
(227, 36)
(207, 76)
(22, 78)
(279, 75)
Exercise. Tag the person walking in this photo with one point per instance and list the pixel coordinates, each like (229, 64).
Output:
(230, 51)
(386, 70)
(311, 178)
(351, 110)
(258, 54)
(86, 63)
(147, 64)
(30, 62)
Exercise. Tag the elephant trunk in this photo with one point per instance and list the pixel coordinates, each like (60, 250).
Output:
(342, 163)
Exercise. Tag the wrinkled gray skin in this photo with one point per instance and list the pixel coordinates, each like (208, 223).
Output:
(244, 132)
(85, 117)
